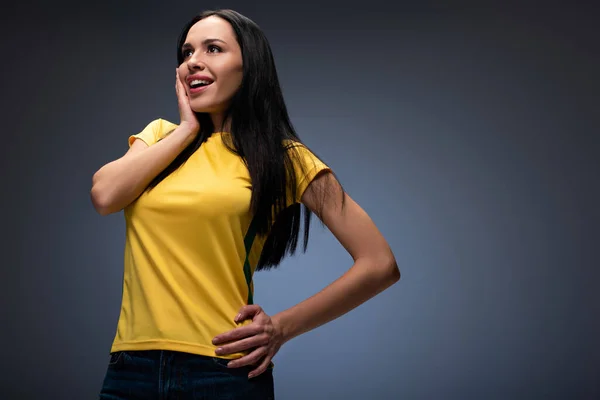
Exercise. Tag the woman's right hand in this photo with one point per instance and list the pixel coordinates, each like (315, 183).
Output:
(186, 114)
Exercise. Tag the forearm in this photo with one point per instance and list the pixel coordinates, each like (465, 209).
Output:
(120, 182)
(360, 283)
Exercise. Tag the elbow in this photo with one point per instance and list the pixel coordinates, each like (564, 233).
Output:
(100, 199)
(100, 202)
(381, 268)
(393, 272)
(389, 273)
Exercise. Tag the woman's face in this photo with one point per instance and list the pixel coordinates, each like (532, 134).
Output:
(212, 65)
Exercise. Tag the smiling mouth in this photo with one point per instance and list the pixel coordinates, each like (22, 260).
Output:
(198, 83)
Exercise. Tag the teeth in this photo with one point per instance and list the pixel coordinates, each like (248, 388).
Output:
(199, 82)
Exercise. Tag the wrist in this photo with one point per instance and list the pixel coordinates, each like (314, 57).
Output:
(282, 328)
(187, 132)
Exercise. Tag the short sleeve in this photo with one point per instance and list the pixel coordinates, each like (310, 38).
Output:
(153, 132)
(306, 167)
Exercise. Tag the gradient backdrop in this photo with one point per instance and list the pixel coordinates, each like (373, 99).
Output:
(469, 135)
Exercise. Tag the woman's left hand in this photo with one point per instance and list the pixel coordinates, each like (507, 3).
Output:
(263, 336)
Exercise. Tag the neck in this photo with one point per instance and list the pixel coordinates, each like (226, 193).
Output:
(217, 120)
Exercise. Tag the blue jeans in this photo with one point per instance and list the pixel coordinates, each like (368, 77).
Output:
(166, 375)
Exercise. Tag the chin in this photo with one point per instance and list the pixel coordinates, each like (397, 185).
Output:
(205, 108)
(201, 109)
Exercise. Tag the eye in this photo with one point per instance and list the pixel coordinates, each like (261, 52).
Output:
(186, 53)
(213, 49)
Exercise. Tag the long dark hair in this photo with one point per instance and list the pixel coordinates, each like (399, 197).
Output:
(260, 125)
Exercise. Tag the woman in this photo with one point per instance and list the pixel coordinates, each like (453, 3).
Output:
(209, 201)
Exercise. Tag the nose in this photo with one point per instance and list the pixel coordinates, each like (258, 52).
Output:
(195, 64)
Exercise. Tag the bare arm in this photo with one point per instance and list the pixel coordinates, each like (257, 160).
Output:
(374, 268)
(120, 182)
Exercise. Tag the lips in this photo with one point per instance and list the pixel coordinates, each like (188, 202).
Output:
(198, 89)
(196, 81)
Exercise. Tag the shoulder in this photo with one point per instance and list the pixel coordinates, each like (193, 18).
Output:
(300, 152)
(163, 127)
(154, 131)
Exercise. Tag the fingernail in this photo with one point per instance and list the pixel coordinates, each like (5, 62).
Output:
(219, 350)
(237, 318)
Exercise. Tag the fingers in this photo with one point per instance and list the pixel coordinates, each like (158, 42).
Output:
(178, 89)
(179, 86)
(187, 116)
(238, 333)
(244, 344)
(252, 358)
(261, 368)
(248, 312)
(185, 112)
(255, 336)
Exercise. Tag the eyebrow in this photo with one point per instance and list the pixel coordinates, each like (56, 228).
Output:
(204, 42)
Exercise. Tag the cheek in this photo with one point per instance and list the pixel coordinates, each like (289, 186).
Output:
(231, 81)
(235, 78)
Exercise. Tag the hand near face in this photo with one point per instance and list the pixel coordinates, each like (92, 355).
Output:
(187, 116)
(262, 337)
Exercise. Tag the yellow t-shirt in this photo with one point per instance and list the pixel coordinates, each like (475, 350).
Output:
(190, 250)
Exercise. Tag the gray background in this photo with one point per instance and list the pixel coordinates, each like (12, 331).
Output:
(467, 134)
